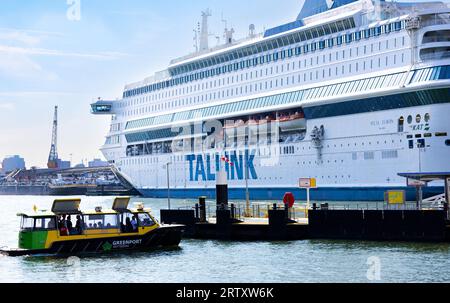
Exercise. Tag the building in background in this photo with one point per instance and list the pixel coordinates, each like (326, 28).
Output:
(98, 163)
(12, 163)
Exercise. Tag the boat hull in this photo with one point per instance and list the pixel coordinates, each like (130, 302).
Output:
(165, 236)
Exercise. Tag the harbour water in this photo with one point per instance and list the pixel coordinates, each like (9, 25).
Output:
(216, 261)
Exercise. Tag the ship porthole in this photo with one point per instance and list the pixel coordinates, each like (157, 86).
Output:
(418, 118)
(410, 119)
(447, 142)
(427, 117)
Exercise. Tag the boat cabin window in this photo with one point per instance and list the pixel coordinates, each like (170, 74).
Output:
(101, 221)
(31, 224)
(27, 224)
(45, 224)
(129, 223)
(145, 220)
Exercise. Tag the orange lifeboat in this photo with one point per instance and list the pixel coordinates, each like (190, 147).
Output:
(293, 122)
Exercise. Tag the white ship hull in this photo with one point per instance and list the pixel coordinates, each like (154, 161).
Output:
(361, 158)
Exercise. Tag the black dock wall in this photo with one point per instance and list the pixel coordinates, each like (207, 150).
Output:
(378, 225)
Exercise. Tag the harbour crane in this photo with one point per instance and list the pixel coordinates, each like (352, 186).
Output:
(53, 160)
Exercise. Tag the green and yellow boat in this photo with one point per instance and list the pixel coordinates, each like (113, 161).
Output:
(66, 230)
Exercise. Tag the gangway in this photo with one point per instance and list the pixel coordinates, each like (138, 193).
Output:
(423, 179)
(435, 202)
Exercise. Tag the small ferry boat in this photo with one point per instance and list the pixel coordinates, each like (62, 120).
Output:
(67, 230)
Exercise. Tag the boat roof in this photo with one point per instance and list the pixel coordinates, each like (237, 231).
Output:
(46, 214)
(121, 203)
(72, 207)
(426, 176)
(66, 206)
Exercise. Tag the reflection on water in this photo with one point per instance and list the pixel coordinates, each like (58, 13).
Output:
(217, 261)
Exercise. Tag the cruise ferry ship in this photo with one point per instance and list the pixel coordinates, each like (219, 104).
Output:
(352, 93)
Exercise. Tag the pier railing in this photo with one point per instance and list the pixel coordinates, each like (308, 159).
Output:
(240, 211)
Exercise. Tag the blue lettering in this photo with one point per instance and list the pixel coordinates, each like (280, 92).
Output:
(191, 159)
(200, 169)
(249, 159)
(211, 176)
(217, 162)
(236, 171)
(237, 167)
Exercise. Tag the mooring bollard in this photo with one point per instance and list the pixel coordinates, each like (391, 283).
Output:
(197, 211)
(202, 205)
(233, 211)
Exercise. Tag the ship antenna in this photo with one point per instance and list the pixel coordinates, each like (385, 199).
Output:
(224, 21)
(195, 40)
(204, 33)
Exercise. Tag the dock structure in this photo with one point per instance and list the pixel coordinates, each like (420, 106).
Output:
(388, 223)
(227, 225)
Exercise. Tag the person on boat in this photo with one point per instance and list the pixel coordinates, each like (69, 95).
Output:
(62, 226)
(134, 223)
(79, 225)
(51, 224)
(128, 226)
(69, 223)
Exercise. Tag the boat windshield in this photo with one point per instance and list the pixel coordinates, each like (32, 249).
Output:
(145, 220)
(37, 224)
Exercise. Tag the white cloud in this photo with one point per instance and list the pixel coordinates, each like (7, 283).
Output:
(17, 65)
(18, 47)
(37, 93)
(6, 106)
(59, 53)
(24, 36)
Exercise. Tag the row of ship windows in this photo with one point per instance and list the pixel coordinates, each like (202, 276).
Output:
(279, 55)
(287, 98)
(433, 73)
(289, 150)
(285, 81)
(268, 45)
(308, 94)
(302, 64)
(385, 155)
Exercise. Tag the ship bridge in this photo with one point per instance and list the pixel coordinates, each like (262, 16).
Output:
(102, 107)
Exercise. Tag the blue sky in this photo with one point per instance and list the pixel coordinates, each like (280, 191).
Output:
(47, 60)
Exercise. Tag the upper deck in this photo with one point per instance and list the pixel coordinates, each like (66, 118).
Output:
(313, 33)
